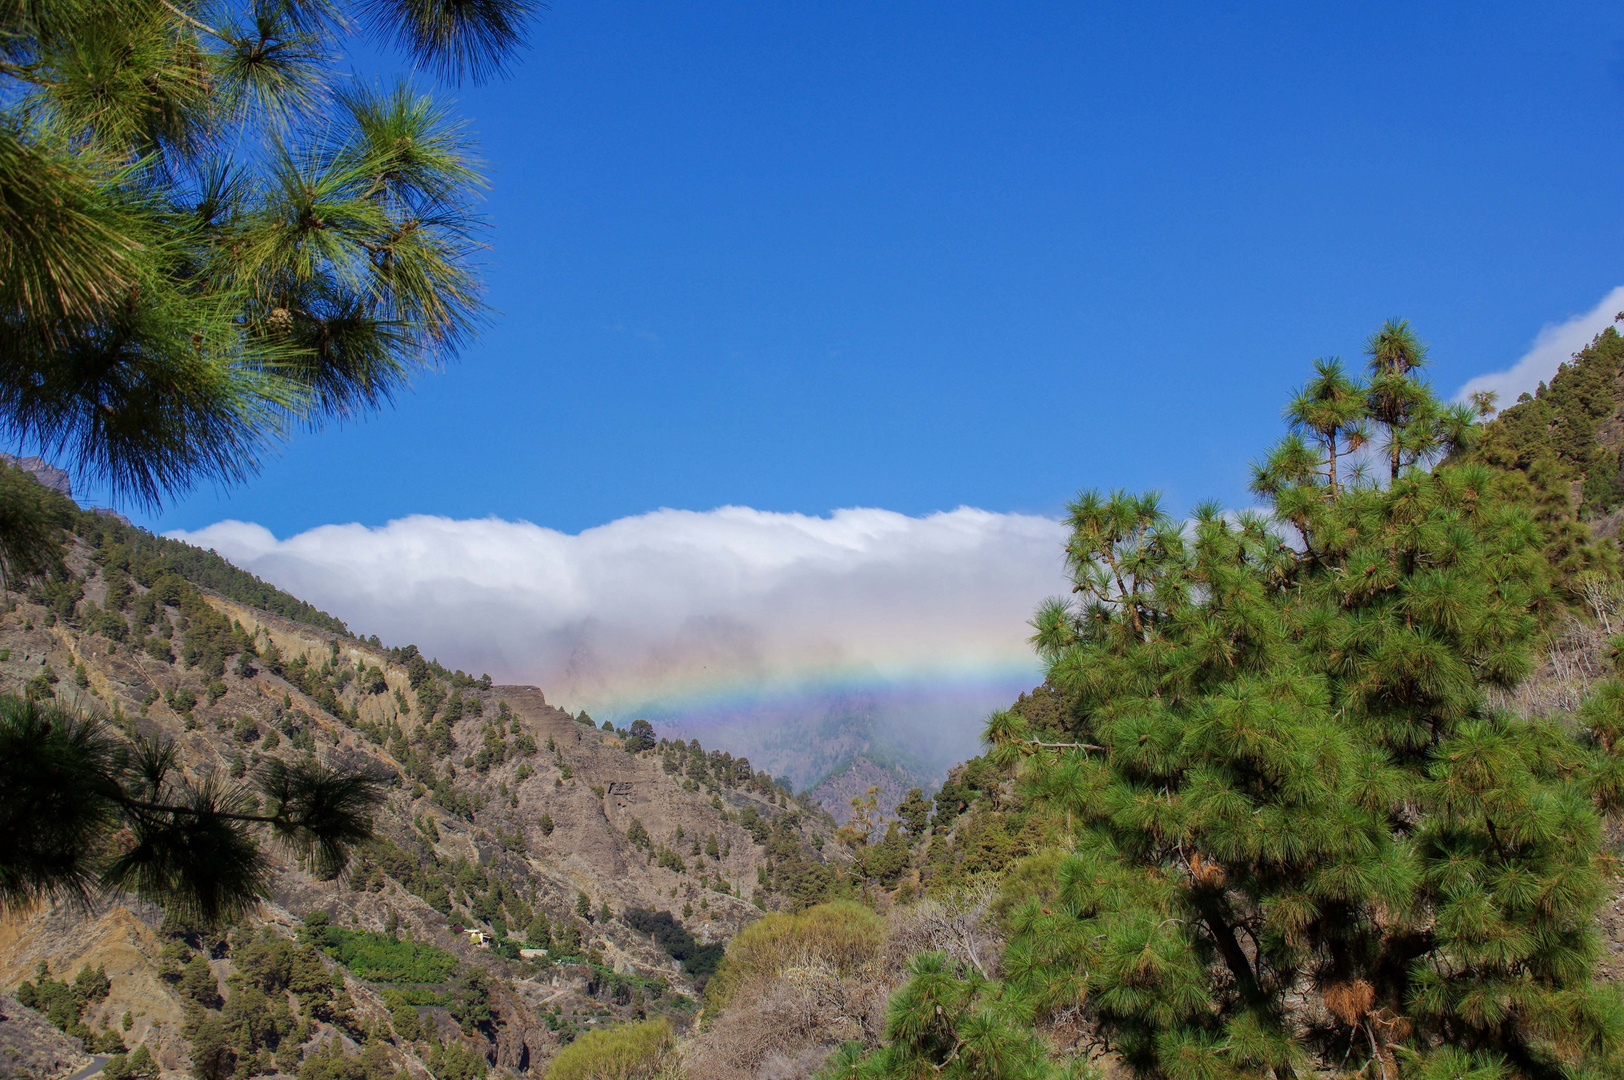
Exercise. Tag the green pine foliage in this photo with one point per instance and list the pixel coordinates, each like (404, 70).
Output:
(279, 991)
(128, 552)
(139, 1065)
(211, 241)
(70, 784)
(1558, 424)
(127, 555)
(374, 1062)
(956, 1024)
(914, 811)
(456, 1061)
(64, 1003)
(29, 546)
(1302, 836)
(717, 770)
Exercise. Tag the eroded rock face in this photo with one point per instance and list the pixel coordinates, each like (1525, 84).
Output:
(31, 1049)
(52, 477)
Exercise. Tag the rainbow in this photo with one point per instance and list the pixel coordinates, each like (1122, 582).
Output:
(804, 724)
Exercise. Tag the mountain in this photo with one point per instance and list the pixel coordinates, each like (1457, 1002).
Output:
(633, 859)
(805, 737)
(1571, 431)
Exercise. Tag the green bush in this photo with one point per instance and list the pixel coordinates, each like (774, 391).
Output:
(626, 1052)
(137, 1066)
(843, 934)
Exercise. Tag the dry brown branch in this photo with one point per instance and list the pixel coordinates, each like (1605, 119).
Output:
(787, 1024)
(1579, 656)
(957, 925)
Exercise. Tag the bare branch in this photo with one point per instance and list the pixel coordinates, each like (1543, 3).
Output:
(1062, 745)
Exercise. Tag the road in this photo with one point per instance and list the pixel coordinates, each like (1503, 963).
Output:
(93, 1069)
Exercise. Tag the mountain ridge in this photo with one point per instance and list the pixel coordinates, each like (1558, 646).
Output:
(504, 814)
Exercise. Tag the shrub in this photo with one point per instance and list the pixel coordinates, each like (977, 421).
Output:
(843, 934)
(626, 1052)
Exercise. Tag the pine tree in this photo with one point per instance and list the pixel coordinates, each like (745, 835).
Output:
(69, 785)
(955, 1024)
(198, 984)
(914, 810)
(212, 1053)
(210, 241)
(136, 1066)
(1303, 838)
(1331, 410)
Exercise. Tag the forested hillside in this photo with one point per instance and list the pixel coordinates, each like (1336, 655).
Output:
(1571, 430)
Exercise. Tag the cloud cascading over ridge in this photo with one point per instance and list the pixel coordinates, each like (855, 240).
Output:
(1554, 346)
(679, 607)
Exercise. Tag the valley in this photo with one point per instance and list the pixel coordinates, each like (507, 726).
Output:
(543, 895)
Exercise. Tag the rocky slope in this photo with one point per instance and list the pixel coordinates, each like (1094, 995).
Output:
(30, 1047)
(505, 814)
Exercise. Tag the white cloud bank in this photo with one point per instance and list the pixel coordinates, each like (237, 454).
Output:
(677, 604)
(1554, 347)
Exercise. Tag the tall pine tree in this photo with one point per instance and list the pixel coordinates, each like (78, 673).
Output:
(1303, 839)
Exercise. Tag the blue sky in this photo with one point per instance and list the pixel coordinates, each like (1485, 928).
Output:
(918, 256)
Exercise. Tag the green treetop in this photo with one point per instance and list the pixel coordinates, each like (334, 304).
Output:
(1302, 834)
(209, 238)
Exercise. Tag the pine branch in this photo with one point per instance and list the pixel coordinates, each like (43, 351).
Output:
(197, 24)
(171, 808)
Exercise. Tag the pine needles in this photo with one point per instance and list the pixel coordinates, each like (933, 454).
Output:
(203, 245)
(83, 811)
(1304, 838)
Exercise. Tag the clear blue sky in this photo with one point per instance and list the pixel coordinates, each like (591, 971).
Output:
(914, 256)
